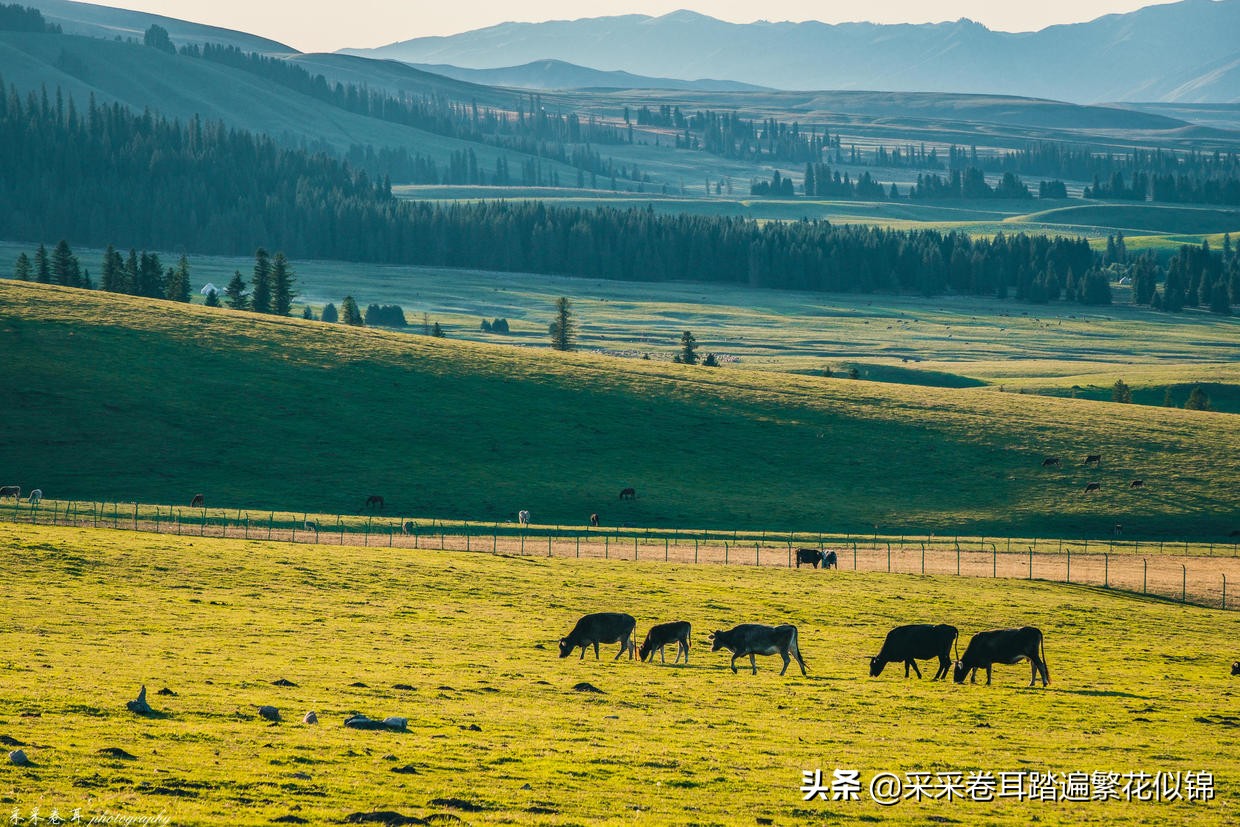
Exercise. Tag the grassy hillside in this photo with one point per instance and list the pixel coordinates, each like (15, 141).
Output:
(464, 646)
(116, 398)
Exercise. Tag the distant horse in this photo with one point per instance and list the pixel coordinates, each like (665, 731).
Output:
(1049, 461)
(196, 502)
(628, 494)
(36, 496)
(523, 517)
(1092, 486)
(374, 501)
(1137, 484)
(1096, 459)
(311, 525)
(14, 491)
(594, 520)
(408, 527)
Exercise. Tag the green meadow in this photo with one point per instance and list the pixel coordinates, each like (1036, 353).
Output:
(114, 398)
(464, 646)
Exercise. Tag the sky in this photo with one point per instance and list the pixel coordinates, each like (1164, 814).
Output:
(317, 26)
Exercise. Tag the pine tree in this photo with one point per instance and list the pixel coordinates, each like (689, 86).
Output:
(260, 298)
(113, 272)
(307, 313)
(131, 273)
(213, 299)
(688, 348)
(329, 314)
(564, 329)
(710, 361)
(177, 287)
(1120, 392)
(1220, 301)
(150, 281)
(42, 270)
(235, 291)
(282, 285)
(437, 331)
(1168, 400)
(64, 266)
(349, 314)
(1197, 400)
(21, 268)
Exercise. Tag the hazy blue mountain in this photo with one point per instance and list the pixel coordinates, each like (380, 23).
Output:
(1186, 51)
(557, 74)
(104, 21)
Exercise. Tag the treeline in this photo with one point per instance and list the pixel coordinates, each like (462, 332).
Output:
(18, 18)
(110, 173)
(1195, 277)
(139, 274)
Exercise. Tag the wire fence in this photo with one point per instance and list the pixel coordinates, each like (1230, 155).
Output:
(1185, 571)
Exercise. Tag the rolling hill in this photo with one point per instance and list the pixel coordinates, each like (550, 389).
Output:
(115, 398)
(106, 22)
(1184, 51)
(556, 74)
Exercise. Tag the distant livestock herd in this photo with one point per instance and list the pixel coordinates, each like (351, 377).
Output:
(1090, 459)
(904, 644)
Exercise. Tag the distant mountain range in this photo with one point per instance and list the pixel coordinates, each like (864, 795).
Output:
(1185, 52)
(557, 74)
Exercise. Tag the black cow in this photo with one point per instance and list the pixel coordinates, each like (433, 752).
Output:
(917, 641)
(1092, 486)
(603, 627)
(1137, 484)
(14, 491)
(1003, 646)
(659, 636)
(1235, 668)
(755, 639)
(1049, 461)
(1096, 459)
(811, 556)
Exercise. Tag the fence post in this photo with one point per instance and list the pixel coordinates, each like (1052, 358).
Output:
(579, 546)
(695, 550)
(957, 558)
(889, 558)
(1106, 571)
(634, 546)
(725, 552)
(757, 561)
(665, 549)
(522, 543)
(994, 561)
(1224, 591)
(854, 556)
(549, 545)
(135, 516)
(1184, 585)
(1145, 568)
(1031, 562)
(1069, 564)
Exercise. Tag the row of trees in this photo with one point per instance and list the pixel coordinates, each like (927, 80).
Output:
(204, 187)
(1196, 276)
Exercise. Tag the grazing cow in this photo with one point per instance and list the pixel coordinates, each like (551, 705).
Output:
(1004, 646)
(1096, 459)
(14, 491)
(311, 525)
(659, 636)
(594, 520)
(374, 501)
(523, 517)
(408, 527)
(1235, 668)
(917, 641)
(602, 627)
(811, 556)
(36, 496)
(196, 502)
(830, 560)
(628, 494)
(1092, 486)
(755, 639)
(1049, 461)
(1137, 484)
